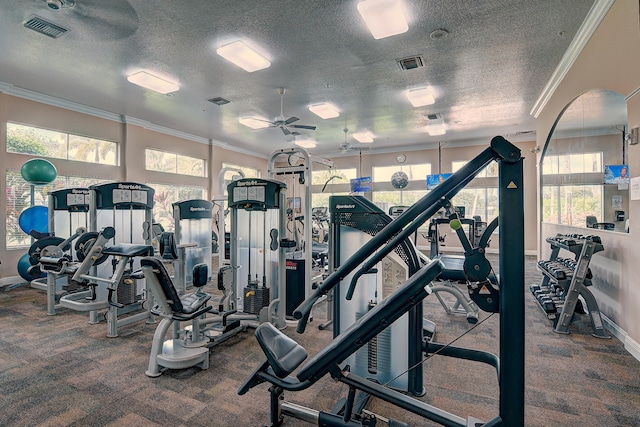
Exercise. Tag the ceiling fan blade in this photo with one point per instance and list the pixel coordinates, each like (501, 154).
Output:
(304, 127)
(291, 120)
(285, 130)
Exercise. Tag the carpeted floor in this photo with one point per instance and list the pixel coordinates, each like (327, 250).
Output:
(60, 370)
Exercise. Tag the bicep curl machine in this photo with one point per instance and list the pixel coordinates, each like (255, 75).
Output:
(283, 366)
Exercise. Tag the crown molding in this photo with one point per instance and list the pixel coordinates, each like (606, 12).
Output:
(586, 30)
(12, 90)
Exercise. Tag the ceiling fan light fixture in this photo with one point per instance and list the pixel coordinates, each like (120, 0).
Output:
(243, 56)
(436, 129)
(149, 81)
(420, 97)
(305, 143)
(254, 122)
(384, 18)
(324, 110)
(363, 137)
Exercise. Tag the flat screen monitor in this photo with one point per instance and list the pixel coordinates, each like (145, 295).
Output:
(361, 185)
(616, 174)
(434, 180)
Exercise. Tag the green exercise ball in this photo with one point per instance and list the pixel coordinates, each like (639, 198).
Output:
(38, 171)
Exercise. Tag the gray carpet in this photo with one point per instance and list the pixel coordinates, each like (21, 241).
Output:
(60, 370)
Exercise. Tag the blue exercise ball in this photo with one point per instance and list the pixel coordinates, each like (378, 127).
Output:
(23, 266)
(34, 218)
(38, 171)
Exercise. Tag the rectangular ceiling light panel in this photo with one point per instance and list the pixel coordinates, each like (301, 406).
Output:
(254, 122)
(148, 81)
(363, 137)
(305, 143)
(384, 18)
(324, 110)
(436, 129)
(243, 56)
(420, 97)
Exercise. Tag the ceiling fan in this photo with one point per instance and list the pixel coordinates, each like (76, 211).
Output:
(285, 124)
(346, 146)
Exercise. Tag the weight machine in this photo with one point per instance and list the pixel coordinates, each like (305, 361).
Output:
(294, 167)
(258, 246)
(191, 242)
(284, 355)
(68, 220)
(121, 212)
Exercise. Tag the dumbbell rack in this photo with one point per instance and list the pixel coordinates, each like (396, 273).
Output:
(564, 280)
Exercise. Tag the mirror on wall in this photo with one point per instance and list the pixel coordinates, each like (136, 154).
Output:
(584, 166)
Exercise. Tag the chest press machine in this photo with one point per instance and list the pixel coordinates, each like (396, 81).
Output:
(284, 355)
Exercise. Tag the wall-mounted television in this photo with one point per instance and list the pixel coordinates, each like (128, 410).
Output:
(361, 185)
(434, 180)
(616, 174)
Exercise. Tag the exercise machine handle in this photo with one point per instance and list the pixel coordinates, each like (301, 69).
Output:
(456, 225)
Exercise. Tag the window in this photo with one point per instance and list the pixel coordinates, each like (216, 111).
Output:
(572, 164)
(482, 202)
(166, 195)
(162, 161)
(248, 172)
(319, 200)
(571, 204)
(414, 172)
(490, 171)
(18, 196)
(342, 176)
(60, 145)
(330, 182)
(386, 199)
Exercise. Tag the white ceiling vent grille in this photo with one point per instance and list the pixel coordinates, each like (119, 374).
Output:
(45, 27)
(410, 63)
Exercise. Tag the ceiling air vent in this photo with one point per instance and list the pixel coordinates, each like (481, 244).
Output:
(45, 27)
(410, 63)
(218, 100)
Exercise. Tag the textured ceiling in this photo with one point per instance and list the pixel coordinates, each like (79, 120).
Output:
(487, 73)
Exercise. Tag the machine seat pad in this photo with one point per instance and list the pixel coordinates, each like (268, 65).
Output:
(129, 249)
(161, 274)
(192, 302)
(283, 353)
(408, 295)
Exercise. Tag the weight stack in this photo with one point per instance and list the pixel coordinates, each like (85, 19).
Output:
(127, 291)
(254, 299)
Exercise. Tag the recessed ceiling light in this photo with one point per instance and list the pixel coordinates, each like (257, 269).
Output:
(243, 56)
(437, 129)
(305, 143)
(254, 122)
(420, 97)
(149, 81)
(363, 137)
(384, 18)
(324, 110)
